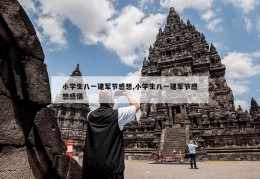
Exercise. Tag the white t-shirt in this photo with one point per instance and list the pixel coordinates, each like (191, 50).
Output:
(125, 115)
(192, 148)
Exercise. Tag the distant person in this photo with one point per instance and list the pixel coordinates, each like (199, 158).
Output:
(192, 151)
(104, 147)
(159, 154)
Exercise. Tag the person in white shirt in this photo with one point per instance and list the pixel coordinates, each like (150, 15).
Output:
(192, 150)
(104, 147)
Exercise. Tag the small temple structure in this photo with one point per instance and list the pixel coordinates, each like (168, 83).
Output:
(222, 132)
(71, 119)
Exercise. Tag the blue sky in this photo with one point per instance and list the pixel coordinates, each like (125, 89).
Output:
(112, 37)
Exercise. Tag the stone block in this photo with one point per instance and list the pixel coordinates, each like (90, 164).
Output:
(49, 133)
(4, 79)
(11, 132)
(17, 163)
(39, 157)
(67, 167)
(37, 80)
(21, 28)
(17, 82)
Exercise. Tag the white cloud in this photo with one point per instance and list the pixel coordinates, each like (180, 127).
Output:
(217, 45)
(39, 35)
(144, 4)
(258, 25)
(61, 74)
(181, 5)
(209, 14)
(131, 33)
(239, 67)
(245, 5)
(248, 24)
(88, 15)
(244, 105)
(135, 74)
(214, 25)
(259, 99)
(220, 47)
(52, 29)
(255, 54)
(238, 87)
(28, 5)
(128, 32)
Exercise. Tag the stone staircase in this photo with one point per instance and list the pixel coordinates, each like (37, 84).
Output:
(174, 142)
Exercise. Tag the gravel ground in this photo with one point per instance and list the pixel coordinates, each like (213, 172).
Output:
(207, 170)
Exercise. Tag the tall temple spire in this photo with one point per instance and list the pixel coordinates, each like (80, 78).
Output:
(212, 48)
(76, 72)
(188, 22)
(254, 108)
(172, 10)
(180, 44)
(173, 17)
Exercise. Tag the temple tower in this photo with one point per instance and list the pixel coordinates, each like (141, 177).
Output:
(71, 118)
(180, 50)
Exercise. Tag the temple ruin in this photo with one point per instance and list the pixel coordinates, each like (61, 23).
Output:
(223, 132)
(71, 119)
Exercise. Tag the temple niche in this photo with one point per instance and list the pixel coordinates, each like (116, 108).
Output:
(223, 132)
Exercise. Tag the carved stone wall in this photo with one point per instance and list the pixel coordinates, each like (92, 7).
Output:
(30, 139)
(180, 50)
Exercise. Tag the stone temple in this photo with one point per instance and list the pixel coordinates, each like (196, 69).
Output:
(71, 118)
(222, 132)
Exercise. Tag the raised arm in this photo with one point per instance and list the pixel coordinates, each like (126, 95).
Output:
(131, 100)
(195, 143)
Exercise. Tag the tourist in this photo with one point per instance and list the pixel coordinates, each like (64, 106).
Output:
(104, 147)
(192, 151)
(159, 154)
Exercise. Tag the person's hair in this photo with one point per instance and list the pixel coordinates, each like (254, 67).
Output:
(105, 97)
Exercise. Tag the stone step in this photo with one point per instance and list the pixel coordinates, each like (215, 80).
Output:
(174, 140)
(173, 146)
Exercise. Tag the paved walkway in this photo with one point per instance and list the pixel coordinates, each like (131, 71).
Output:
(207, 170)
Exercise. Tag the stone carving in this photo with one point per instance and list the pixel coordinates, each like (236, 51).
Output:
(30, 139)
(214, 125)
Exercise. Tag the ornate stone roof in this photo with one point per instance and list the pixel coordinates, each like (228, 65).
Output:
(76, 72)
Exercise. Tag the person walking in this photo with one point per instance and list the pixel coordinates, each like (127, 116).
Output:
(104, 148)
(192, 151)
